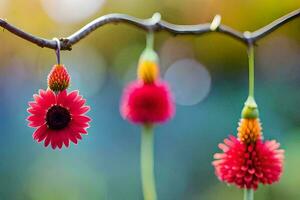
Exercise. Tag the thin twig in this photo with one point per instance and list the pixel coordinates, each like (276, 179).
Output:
(154, 24)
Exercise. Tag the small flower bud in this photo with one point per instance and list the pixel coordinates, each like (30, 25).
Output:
(148, 69)
(58, 78)
(250, 110)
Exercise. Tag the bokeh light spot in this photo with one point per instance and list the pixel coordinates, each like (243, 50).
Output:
(174, 49)
(71, 11)
(3, 8)
(189, 81)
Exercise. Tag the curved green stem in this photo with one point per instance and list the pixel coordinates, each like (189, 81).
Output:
(251, 69)
(248, 194)
(147, 163)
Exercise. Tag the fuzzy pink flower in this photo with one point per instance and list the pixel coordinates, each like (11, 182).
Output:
(247, 165)
(58, 118)
(144, 103)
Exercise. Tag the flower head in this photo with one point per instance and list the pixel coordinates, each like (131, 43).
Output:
(147, 100)
(147, 103)
(248, 165)
(58, 118)
(247, 160)
(58, 78)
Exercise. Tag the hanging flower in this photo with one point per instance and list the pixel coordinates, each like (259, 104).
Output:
(58, 118)
(247, 160)
(147, 100)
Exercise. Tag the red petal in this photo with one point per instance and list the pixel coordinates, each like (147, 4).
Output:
(40, 133)
(73, 139)
(80, 110)
(81, 119)
(61, 97)
(48, 139)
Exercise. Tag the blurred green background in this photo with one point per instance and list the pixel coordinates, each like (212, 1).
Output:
(208, 75)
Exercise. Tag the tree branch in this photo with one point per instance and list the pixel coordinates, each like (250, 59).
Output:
(152, 24)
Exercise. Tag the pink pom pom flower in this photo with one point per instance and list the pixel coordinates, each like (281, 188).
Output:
(147, 103)
(247, 160)
(147, 100)
(247, 165)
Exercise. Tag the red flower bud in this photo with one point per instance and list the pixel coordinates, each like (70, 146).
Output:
(58, 78)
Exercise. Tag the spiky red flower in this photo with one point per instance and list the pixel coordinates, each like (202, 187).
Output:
(58, 78)
(247, 165)
(58, 118)
(144, 103)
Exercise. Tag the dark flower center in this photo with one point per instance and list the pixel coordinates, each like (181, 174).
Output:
(58, 117)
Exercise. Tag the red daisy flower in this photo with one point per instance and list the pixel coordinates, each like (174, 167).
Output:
(144, 103)
(58, 118)
(247, 165)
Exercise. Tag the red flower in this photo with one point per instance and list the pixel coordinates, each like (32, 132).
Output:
(247, 165)
(58, 117)
(144, 103)
(58, 78)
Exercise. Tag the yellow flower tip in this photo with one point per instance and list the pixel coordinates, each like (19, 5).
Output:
(148, 71)
(249, 130)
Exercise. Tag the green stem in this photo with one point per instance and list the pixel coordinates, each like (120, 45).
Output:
(147, 163)
(251, 69)
(248, 194)
(250, 109)
(150, 40)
